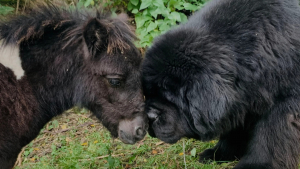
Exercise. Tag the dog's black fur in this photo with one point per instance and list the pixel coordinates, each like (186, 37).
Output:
(70, 57)
(232, 71)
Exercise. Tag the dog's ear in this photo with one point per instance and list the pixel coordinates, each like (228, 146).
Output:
(209, 102)
(96, 36)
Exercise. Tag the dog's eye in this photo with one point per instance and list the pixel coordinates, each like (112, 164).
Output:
(114, 82)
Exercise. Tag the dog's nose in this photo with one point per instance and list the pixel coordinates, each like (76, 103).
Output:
(152, 116)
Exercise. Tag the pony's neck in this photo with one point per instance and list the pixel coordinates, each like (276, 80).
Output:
(52, 101)
(39, 106)
(25, 118)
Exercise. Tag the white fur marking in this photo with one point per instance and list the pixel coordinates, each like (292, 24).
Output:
(9, 57)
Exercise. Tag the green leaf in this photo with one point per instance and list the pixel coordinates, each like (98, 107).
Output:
(225, 164)
(26, 153)
(55, 123)
(149, 38)
(135, 2)
(165, 12)
(175, 16)
(87, 3)
(164, 27)
(154, 11)
(155, 33)
(145, 4)
(4, 10)
(53, 147)
(193, 152)
(31, 150)
(158, 3)
(129, 6)
(151, 26)
(145, 44)
(135, 11)
(132, 159)
(145, 12)
(183, 17)
(190, 7)
(80, 4)
(140, 20)
(142, 32)
(111, 161)
(159, 21)
(175, 4)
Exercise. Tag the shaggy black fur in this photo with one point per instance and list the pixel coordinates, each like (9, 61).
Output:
(69, 58)
(232, 71)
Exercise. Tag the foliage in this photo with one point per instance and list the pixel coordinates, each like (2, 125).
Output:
(5, 10)
(154, 17)
(112, 5)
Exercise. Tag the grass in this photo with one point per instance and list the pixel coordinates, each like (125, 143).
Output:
(76, 140)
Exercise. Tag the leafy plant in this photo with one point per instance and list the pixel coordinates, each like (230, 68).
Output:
(4, 10)
(113, 5)
(154, 17)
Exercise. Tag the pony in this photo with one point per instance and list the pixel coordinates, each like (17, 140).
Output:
(53, 59)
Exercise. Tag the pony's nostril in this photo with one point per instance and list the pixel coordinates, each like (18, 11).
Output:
(139, 131)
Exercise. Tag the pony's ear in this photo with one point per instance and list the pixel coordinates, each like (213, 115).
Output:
(96, 36)
(123, 17)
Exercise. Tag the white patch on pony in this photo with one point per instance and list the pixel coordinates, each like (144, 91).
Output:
(10, 58)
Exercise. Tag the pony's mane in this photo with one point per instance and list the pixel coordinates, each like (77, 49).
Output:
(69, 23)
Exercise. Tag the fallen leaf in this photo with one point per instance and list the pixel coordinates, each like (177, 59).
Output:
(64, 126)
(95, 141)
(84, 144)
(159, 143)
(193, 152)
(154, 152)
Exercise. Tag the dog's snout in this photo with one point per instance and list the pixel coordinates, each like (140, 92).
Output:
(152, 115)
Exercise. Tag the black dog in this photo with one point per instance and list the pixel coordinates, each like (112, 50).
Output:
(232, 71)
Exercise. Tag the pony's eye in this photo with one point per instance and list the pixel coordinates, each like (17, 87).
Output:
(114, 82)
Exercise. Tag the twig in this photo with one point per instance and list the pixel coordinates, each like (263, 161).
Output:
(159, 143)
(19, 159)
(24, 6)
(104, 156)
(183, 146)
(17, 8)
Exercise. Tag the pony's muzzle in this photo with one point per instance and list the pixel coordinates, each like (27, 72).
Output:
(131, 131)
